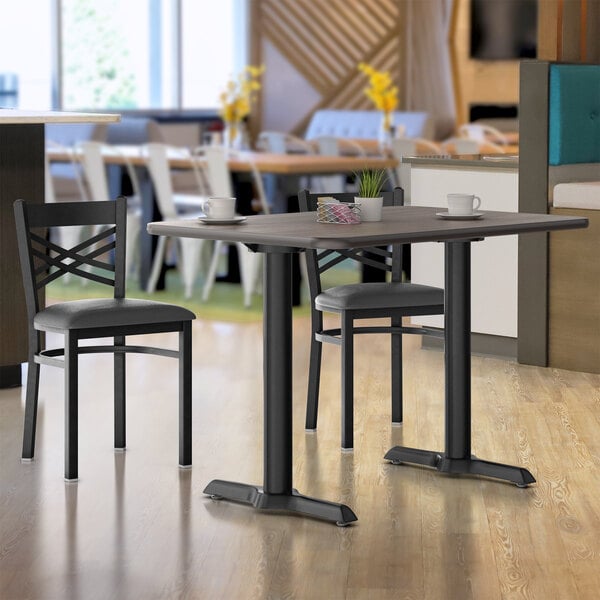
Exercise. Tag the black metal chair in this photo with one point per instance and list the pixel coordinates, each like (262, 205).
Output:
(42, 262)
(362, 301)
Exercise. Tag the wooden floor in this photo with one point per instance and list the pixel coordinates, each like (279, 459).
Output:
(137, 527)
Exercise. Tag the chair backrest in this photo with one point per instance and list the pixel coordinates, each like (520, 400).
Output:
(69, 175)
(43, 261)
(94, 170)
(158, 166)
(219, 176)
(280, 142)
(319, 261)
(480, 131)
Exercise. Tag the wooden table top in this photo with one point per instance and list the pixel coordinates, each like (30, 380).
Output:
(282, 164)
(399, 225)
(15, 116)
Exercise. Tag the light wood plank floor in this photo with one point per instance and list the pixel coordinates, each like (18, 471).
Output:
(137, 527)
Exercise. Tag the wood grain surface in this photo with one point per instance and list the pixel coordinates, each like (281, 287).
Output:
(137, 527)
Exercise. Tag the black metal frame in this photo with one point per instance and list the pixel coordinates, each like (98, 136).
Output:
(36, 262)
(390, 260)
(457, 457)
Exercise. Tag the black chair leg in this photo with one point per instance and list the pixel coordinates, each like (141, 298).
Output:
(185, 395)
(31, 404)
(71, 409)
(396, 372)
(314, 379)
(119, 396)
(347, 382)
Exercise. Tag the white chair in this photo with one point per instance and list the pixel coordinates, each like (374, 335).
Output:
(94, 169)
(279, 142)
(473, 139)
(482, 133)
(219, 179)
(172, 206)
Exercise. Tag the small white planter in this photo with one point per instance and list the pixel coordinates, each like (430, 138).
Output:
(370, 208)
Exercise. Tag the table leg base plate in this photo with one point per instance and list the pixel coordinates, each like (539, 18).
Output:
(470, 466)
(291, 503)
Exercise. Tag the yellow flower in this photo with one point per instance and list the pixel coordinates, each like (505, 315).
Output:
(239, 94)
(380, 90)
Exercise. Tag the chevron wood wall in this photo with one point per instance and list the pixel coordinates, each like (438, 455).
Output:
(311, 49)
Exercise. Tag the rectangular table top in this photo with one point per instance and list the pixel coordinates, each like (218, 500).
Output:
(406, 224)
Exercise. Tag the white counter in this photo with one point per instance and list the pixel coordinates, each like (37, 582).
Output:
(494, 261)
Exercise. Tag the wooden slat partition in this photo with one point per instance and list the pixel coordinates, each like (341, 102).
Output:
(319, 45)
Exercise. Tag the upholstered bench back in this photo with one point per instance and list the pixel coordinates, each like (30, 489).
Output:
(574, 114)
(365, 124)
(573, 135)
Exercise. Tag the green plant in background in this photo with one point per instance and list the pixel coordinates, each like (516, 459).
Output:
(370, 182)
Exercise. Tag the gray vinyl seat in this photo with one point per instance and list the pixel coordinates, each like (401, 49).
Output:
(393, 300)
(108, 312)
(377, 295)
(43, 261)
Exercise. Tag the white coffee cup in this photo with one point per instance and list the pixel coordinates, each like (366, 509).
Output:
(463, 204)
(219, 208)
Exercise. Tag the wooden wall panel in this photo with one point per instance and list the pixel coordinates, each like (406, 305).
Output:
(319, 45)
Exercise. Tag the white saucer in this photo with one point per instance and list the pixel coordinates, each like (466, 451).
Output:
(471, 217)
(234, 221)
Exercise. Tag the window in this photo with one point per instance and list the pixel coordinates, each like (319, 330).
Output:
(120, 54)
(144, 54)
(26, 56)
(208, 35)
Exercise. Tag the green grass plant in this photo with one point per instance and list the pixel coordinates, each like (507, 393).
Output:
(370, 182)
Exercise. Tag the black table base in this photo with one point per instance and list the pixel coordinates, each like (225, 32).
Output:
(457, 457)
(277, 493)
(293, 502)
(459, 466)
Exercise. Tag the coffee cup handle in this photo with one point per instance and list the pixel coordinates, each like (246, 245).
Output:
(477, 202)
(206, 206)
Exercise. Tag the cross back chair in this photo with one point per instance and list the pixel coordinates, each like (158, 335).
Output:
(42, 262)
(393, 300)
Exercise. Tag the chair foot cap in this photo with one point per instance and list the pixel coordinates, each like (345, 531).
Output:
(397, 423)
(120, 450)
(311, 430)
(71, 480)
(347, 450)
(27, 460)
(185, 466)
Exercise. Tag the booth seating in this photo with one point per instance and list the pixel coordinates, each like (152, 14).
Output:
(559, 172)
(366, 124)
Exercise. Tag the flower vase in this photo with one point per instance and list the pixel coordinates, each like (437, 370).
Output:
(235, 136)
(386, 133)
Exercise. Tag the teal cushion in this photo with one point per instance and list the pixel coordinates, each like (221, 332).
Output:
(574, 115)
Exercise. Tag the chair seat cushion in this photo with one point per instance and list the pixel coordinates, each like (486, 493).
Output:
(358, 296)
(108, 312)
